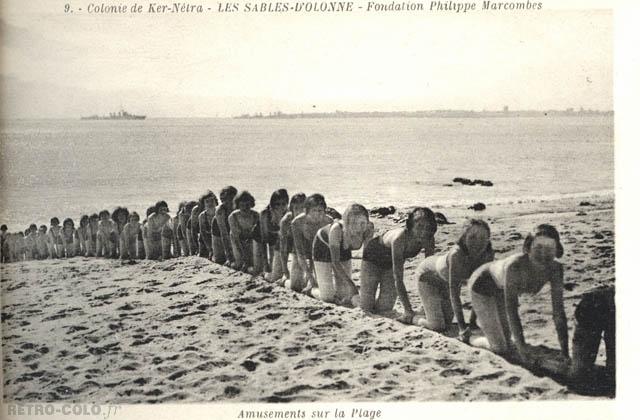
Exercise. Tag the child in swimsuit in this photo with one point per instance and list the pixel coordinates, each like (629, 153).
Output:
(107, 235)
(440, 278)
(383, 263)
(42, 243)
(242, 223)
(3, 240)
(69, 239)
(205, 221)
(332, 248)
(496, 286)
(155, 224)
(222, 248)
(144, 235)
(91, 238)
(120, 216)
(55, 242)
(303, 229)
(185, 223)
(197, 247)
(31, 250)
(268, 233)
(129, 238)
(178, 237)
(293, 280)
(82, 232)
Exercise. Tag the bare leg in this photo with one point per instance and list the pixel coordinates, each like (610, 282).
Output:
(388, 293)
(369, 280)
(433, 303)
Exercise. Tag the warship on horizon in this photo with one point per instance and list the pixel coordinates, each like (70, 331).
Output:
(122, 115)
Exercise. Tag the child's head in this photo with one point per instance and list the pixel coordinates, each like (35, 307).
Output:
(244, 201)
(543, 244)
(33, 228)
(55, 221)
(150, 211)
(94, 218)
(208, 200)
(84, 220)
(356, 219)
(315, 206)
(228, 193)
(134, 217)
(162, 207)
(279, 199)
(3, 228)
(422, 221)
(296, 205)
(104, 215)
(68, 223)
(43, 229)
(120, 215)
(188, 207)
(475, 238)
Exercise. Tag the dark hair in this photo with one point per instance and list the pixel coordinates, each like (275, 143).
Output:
(84, 220)
(181, 206)
(297, 198)
(4, 228)
(206, 195)
(104, 213)
(160, 204)
(25, 233)
(94, 217)
(228, 192)
(547, 231)
(134, 214)
(33, 226)
(151, 210)
(314, 200)
(68, 221)
(422, 212)
(189, 205)
(55, 220)
(117, 212)
(465, 231)
(244, 196)
(279, 195)
(43, 227)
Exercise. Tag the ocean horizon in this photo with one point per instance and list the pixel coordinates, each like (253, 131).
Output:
(66, 168)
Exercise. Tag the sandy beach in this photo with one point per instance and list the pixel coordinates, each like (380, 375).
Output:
(188, 330)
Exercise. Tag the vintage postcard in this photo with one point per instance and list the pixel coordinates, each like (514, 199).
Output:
(311, 209)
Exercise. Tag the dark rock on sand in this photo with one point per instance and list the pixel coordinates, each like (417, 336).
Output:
(441, 219)
(382, 211)
(478, 207)
(586, 203)
(467, 181)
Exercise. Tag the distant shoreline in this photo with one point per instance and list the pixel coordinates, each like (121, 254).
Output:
(569, 112)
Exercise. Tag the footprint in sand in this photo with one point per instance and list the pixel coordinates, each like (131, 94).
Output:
(249, 365)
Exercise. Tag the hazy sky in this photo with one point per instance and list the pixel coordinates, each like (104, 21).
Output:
(57, 65)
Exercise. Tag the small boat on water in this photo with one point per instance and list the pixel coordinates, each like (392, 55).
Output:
(121, 115)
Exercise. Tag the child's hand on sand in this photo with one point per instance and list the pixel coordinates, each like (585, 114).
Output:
(406, 317)
(465, 335)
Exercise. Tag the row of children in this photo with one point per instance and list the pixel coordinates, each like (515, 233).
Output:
(321, 241)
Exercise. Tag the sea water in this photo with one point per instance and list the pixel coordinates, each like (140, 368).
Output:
(67, 168)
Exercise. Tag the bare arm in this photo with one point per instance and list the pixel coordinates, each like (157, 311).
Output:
(559, 316)
(285, 224)
(206, 236)
(264, 234)
(224, 233)
(335, 239)
(234, 235)
(429, 246)
(456, 276)
(299, 242)
(511, 306)
(397, 256)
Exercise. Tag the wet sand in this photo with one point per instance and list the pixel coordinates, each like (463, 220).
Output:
(188, 330)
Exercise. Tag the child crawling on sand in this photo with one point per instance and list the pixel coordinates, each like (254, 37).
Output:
(129, 238)
(107, 236)
(155, 224)
(42, 243)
